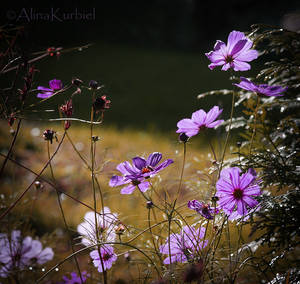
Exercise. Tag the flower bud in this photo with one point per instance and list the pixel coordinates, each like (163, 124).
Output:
(183, 137)
(93, 84)
(100, 104)
(77, 82)
(149, 204)
(120, 229)
(48, 135)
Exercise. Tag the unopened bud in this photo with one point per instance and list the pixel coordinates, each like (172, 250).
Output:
(77, 82)
(149, 204)
(120, 229)
(93, 84)
(183, 137)
(37, 184)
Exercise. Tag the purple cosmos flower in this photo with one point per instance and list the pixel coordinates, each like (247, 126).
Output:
(262, 89)
(54, 85)
(75, 279)
(200, 120)
(234, 55)
(108, 257)
(106, 222)
(18, 252)
(235, 191)
(184, 245)
(137, 173)
(203, 209)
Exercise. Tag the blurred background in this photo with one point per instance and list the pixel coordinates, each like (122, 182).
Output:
(148, 54)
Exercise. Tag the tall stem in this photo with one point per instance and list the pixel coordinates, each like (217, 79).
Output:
(92, 154)
(228, 133)
(63, 215)
(11, 147)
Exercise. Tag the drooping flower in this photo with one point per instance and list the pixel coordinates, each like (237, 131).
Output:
(137, 173)
(54, 85)
(49, 135)
(234, 55)
(106, 224)
(199, 121)
(236, 191)
(75, 279)
(108, 257)
(67, 110)
(185, 245)
(101, 104)
(262, 89)
(17, 252)
(203, 209)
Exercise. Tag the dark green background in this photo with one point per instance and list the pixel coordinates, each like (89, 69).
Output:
(148, 54)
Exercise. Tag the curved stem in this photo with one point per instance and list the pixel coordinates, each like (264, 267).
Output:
(11, 147)
(89, 247)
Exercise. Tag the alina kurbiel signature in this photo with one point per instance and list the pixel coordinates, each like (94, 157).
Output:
(51, 15)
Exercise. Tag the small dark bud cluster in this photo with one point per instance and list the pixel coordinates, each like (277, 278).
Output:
(49, 135)
(149, 204)
(101, 103)
(183, 137)
(77, 82)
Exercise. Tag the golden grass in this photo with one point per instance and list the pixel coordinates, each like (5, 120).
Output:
(74, 178)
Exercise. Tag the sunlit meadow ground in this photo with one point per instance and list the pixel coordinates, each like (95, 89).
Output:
(39, 208)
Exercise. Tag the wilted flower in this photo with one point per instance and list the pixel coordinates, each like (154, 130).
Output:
(106, 224)
(54, 85)
(203, 209)
(101, 104)
(185, 245)
(262, 89)
(18, 252)
(49, 135)
(136, 174)
(200, 120)
(234, 55)
(108, 257)
(67, 110)
(75, 279)
(235, 191)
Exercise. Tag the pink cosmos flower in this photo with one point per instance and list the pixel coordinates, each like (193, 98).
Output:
(200, 120)
(262, 89)
(234, 55)
(185, 245)
(18, 252)
(236, 190)
(54, 85)
(135, 174)
(108, 257)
